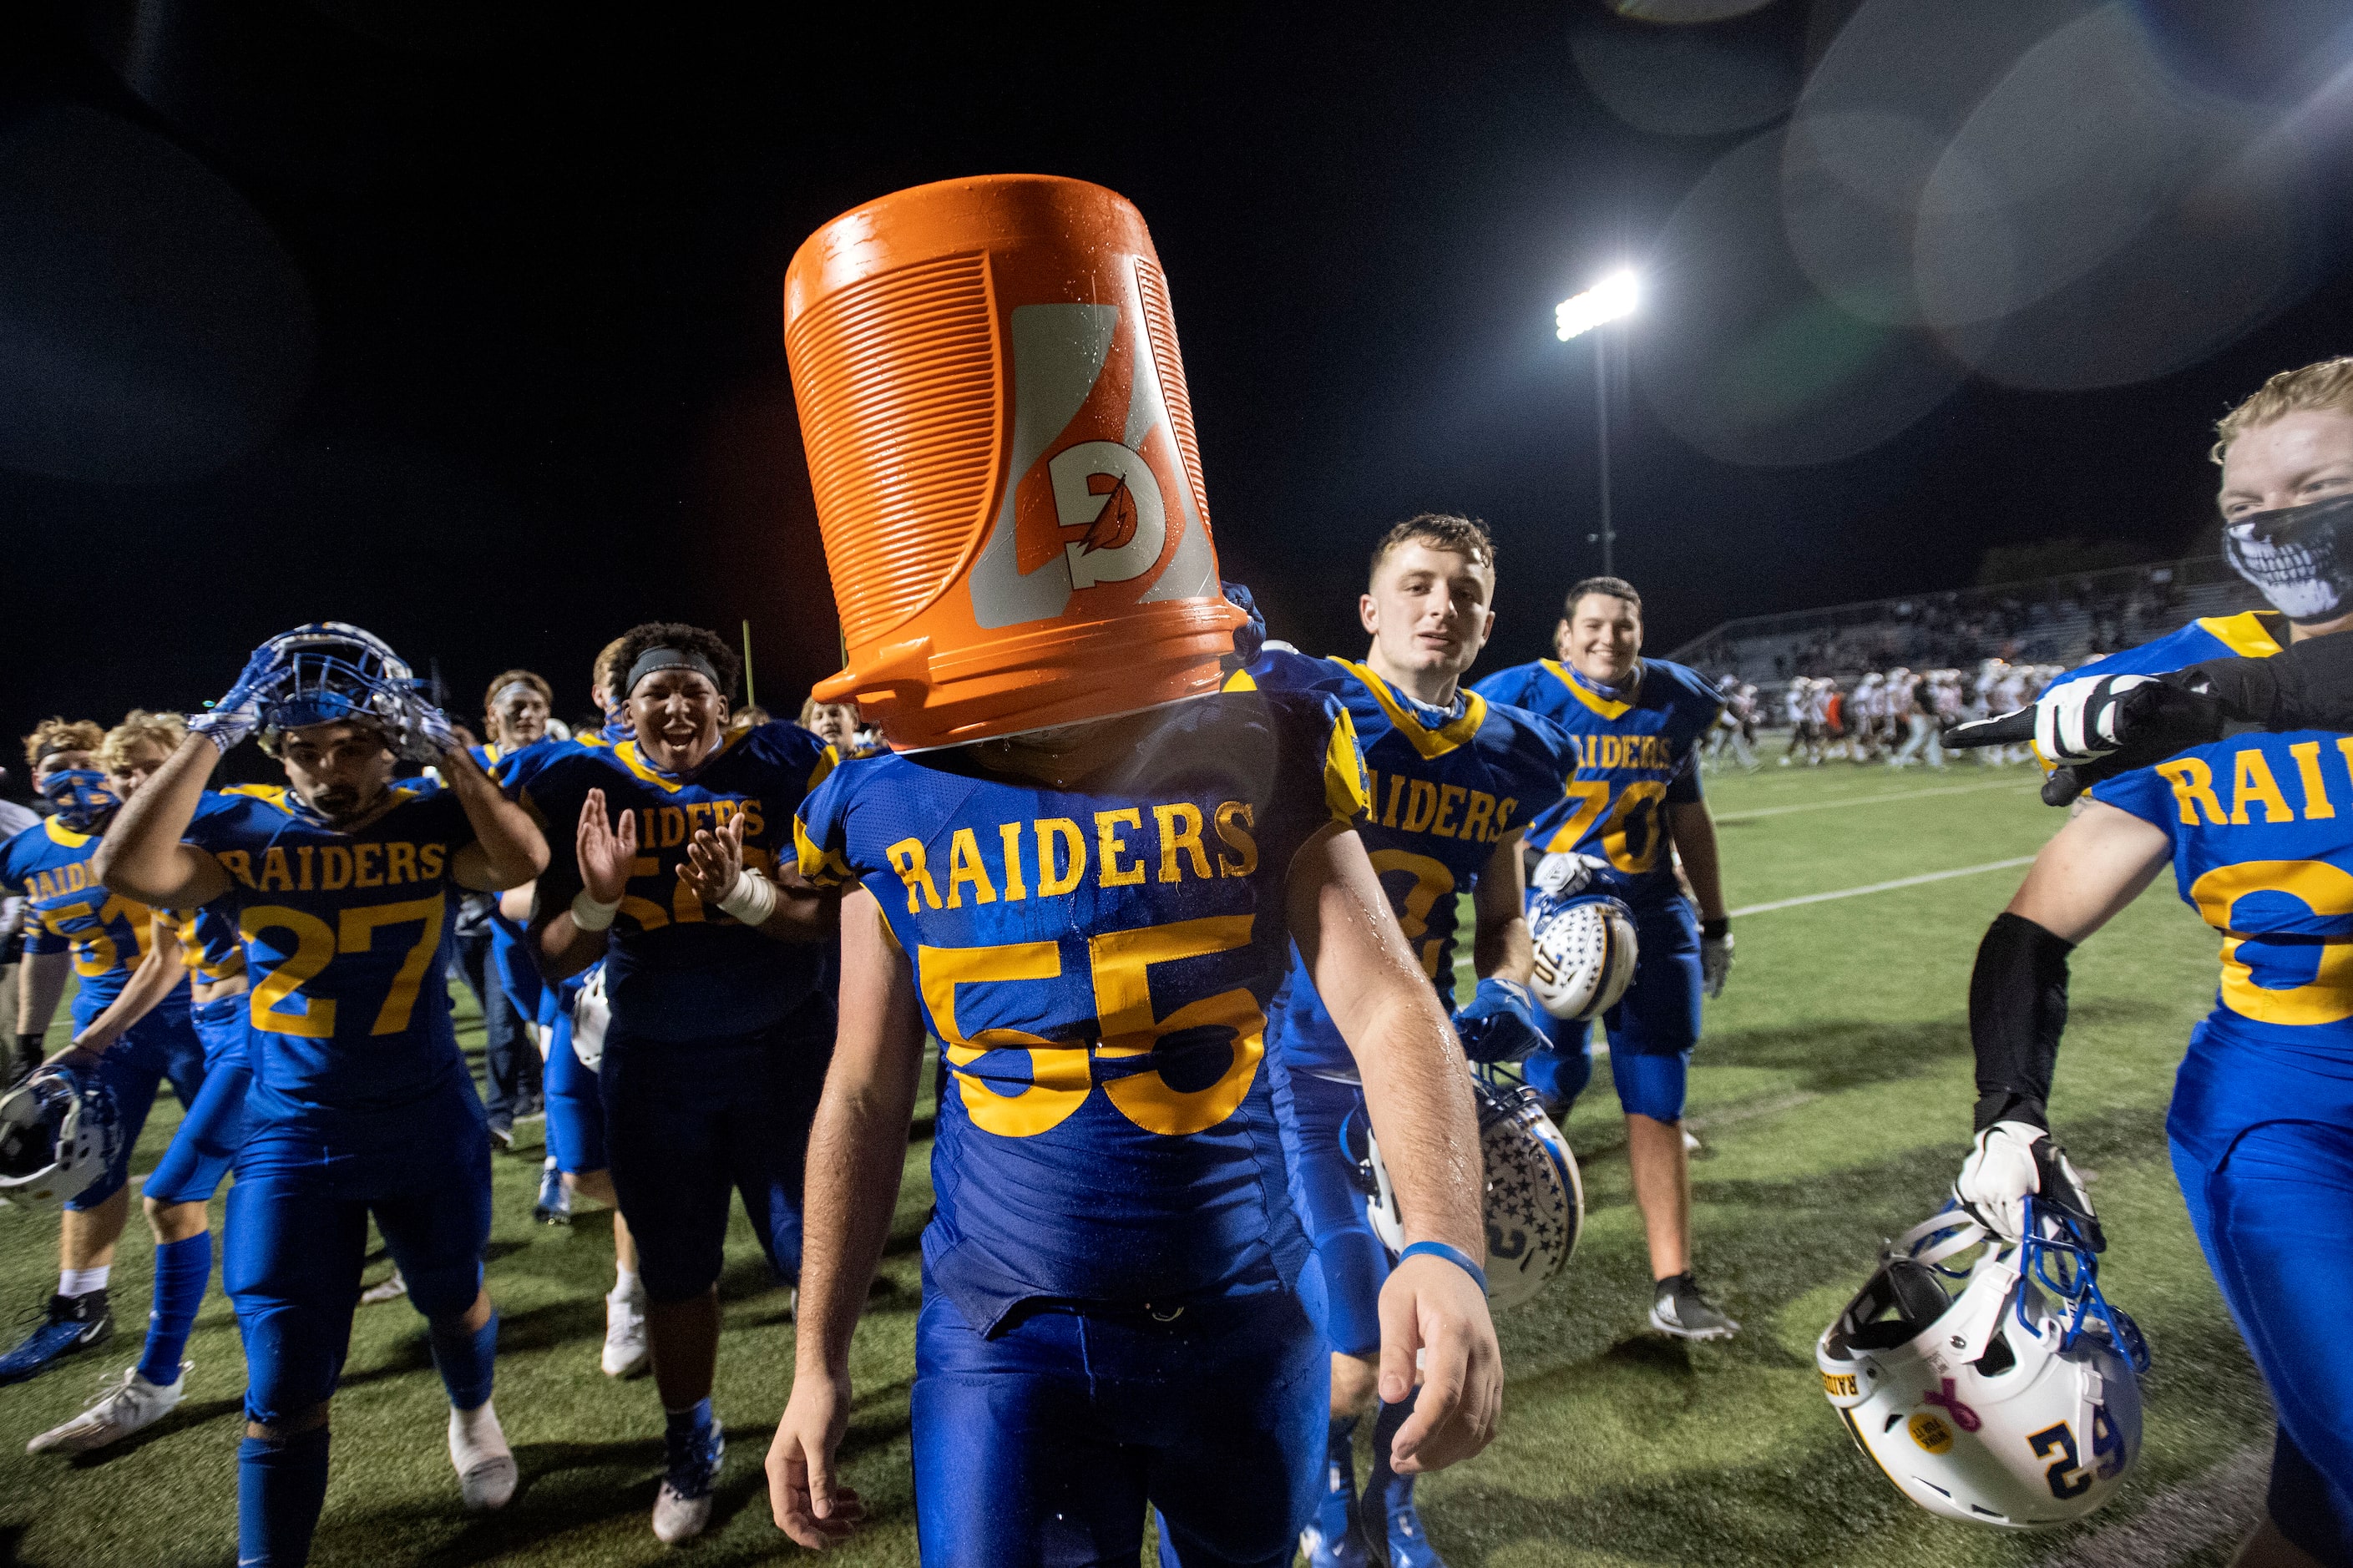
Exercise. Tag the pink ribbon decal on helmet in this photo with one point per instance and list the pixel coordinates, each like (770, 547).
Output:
(1963, 1417)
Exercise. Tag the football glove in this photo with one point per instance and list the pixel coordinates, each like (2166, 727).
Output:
(1249, 637)
(1714, 956)
(1564, 873)
(229, 719)
(2012, 1160)
(2100, 726)
(426, 732)
(1500, 1024)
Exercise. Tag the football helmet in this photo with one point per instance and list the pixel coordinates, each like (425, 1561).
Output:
(1584, 955)
(1534, 1198)
(332, 671)
(590, 1013)
(59, 1131)
(2012, 1401)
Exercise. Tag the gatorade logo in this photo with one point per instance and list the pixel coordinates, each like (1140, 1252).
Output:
(1097, 486)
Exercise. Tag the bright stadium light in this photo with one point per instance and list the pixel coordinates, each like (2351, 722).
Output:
(1613, 298)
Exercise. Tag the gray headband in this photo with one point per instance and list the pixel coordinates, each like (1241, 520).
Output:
(656, 659)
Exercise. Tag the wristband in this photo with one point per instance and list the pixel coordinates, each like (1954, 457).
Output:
(753, 898)
(1454, 1254)
(1714, 931)
(587, 914)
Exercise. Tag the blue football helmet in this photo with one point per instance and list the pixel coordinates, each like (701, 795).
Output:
(330, 672)
(59, 1131)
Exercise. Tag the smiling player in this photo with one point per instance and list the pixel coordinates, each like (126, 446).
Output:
(1453, 780)
(1633, 807)
(361, 1103)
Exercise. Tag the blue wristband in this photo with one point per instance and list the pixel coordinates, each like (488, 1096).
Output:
(1454, 1254)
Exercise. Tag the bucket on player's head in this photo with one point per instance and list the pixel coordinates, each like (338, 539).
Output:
(1002, 451)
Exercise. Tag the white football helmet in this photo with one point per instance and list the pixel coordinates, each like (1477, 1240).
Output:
(2013, 1402)
(59, 1131)
(590, 1015)
(1535, 1201)
(1584, 955)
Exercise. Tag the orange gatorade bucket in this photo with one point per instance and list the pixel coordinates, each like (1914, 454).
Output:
(1002, 449)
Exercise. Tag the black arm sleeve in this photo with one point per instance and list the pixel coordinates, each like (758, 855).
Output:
(2308, 686)
(2018, 1009)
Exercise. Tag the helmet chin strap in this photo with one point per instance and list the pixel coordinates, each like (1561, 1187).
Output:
(2299, 557)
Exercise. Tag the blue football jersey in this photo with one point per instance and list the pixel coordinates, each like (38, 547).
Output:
(347, 944)
(676, 970)
(2255, 634)
(1443, 789)
(210, 943)
(2262, 828)
(1635, 755)
(1097, 962)
(67, 911)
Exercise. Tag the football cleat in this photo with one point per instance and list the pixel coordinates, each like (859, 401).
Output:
(625, 1353)
(555, 1205)
(125, 1407)
(2013, 1401)
(1681, 1309)
(1347, 1551)
(1408, 1547)
(683, 1506)
(391, 1289)
(485, 1465)
(70, 1324)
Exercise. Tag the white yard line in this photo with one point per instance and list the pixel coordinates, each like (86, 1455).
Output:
(1885, 887)
(2221, 1504)
(1866, 800)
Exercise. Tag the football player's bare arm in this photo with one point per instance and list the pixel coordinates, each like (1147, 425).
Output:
(2094, 866)
(164, 966)
(508, 849)
(858, 1147)
(1413, 1074)
(1692, 827)
(40, 986)
(592, 884)
(781, 906)
(142, 855)
(1501, 948)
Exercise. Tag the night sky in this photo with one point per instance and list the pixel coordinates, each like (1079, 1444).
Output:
(467, 329)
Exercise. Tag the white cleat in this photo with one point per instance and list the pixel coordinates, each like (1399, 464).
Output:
(683, 1506)
(124, 1408)
(391, 1289)
(485, 1465)
(625, 1336)
(677, 1519)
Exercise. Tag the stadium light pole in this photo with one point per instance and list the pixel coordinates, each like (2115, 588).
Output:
(1612, 299)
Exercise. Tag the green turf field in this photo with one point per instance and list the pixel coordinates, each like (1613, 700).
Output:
(1833, 1093)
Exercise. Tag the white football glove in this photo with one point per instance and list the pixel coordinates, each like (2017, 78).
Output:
(425, 732)
(1564, 873)
(2011, 1162)
(2076, 722)
(1714, 963)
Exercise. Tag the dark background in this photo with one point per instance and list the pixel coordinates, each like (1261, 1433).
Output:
(461, 322)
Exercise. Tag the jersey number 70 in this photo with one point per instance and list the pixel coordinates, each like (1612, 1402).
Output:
(1632, 828)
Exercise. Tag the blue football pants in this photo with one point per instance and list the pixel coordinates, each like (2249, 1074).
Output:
(297, 1235)
(575, 1104)
(1349, 1257)
(206, 1143)
(2275, 1219)
(1046, 1444)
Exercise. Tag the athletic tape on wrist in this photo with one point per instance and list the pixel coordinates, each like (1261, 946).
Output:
(1454, 1254)
(753, 898)
(587, 914)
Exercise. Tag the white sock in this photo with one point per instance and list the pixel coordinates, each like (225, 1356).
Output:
(625, 1283)
(475, 1436)
(82, 1281)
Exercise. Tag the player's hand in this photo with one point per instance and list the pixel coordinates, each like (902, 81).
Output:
(425, 734)
(604, 850)
(713, 860)
(1564, 873)
(2011, 1162)
(1250, 637)
(807, 1504)
(1714, 957)
(1431, 1307)
(238, 712)
(2100, 726)
(1500, 1024)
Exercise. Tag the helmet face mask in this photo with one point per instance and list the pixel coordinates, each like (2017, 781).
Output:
(337, 673)
(2013, 1401)
(59, 1131)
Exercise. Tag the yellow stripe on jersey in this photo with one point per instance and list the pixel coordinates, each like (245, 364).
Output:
(819, 868)
(2250, 634)
(62, 835)
(1343, 780)
(1431, 743)
(1591, 699)
(1239, 680)
(824, 769)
